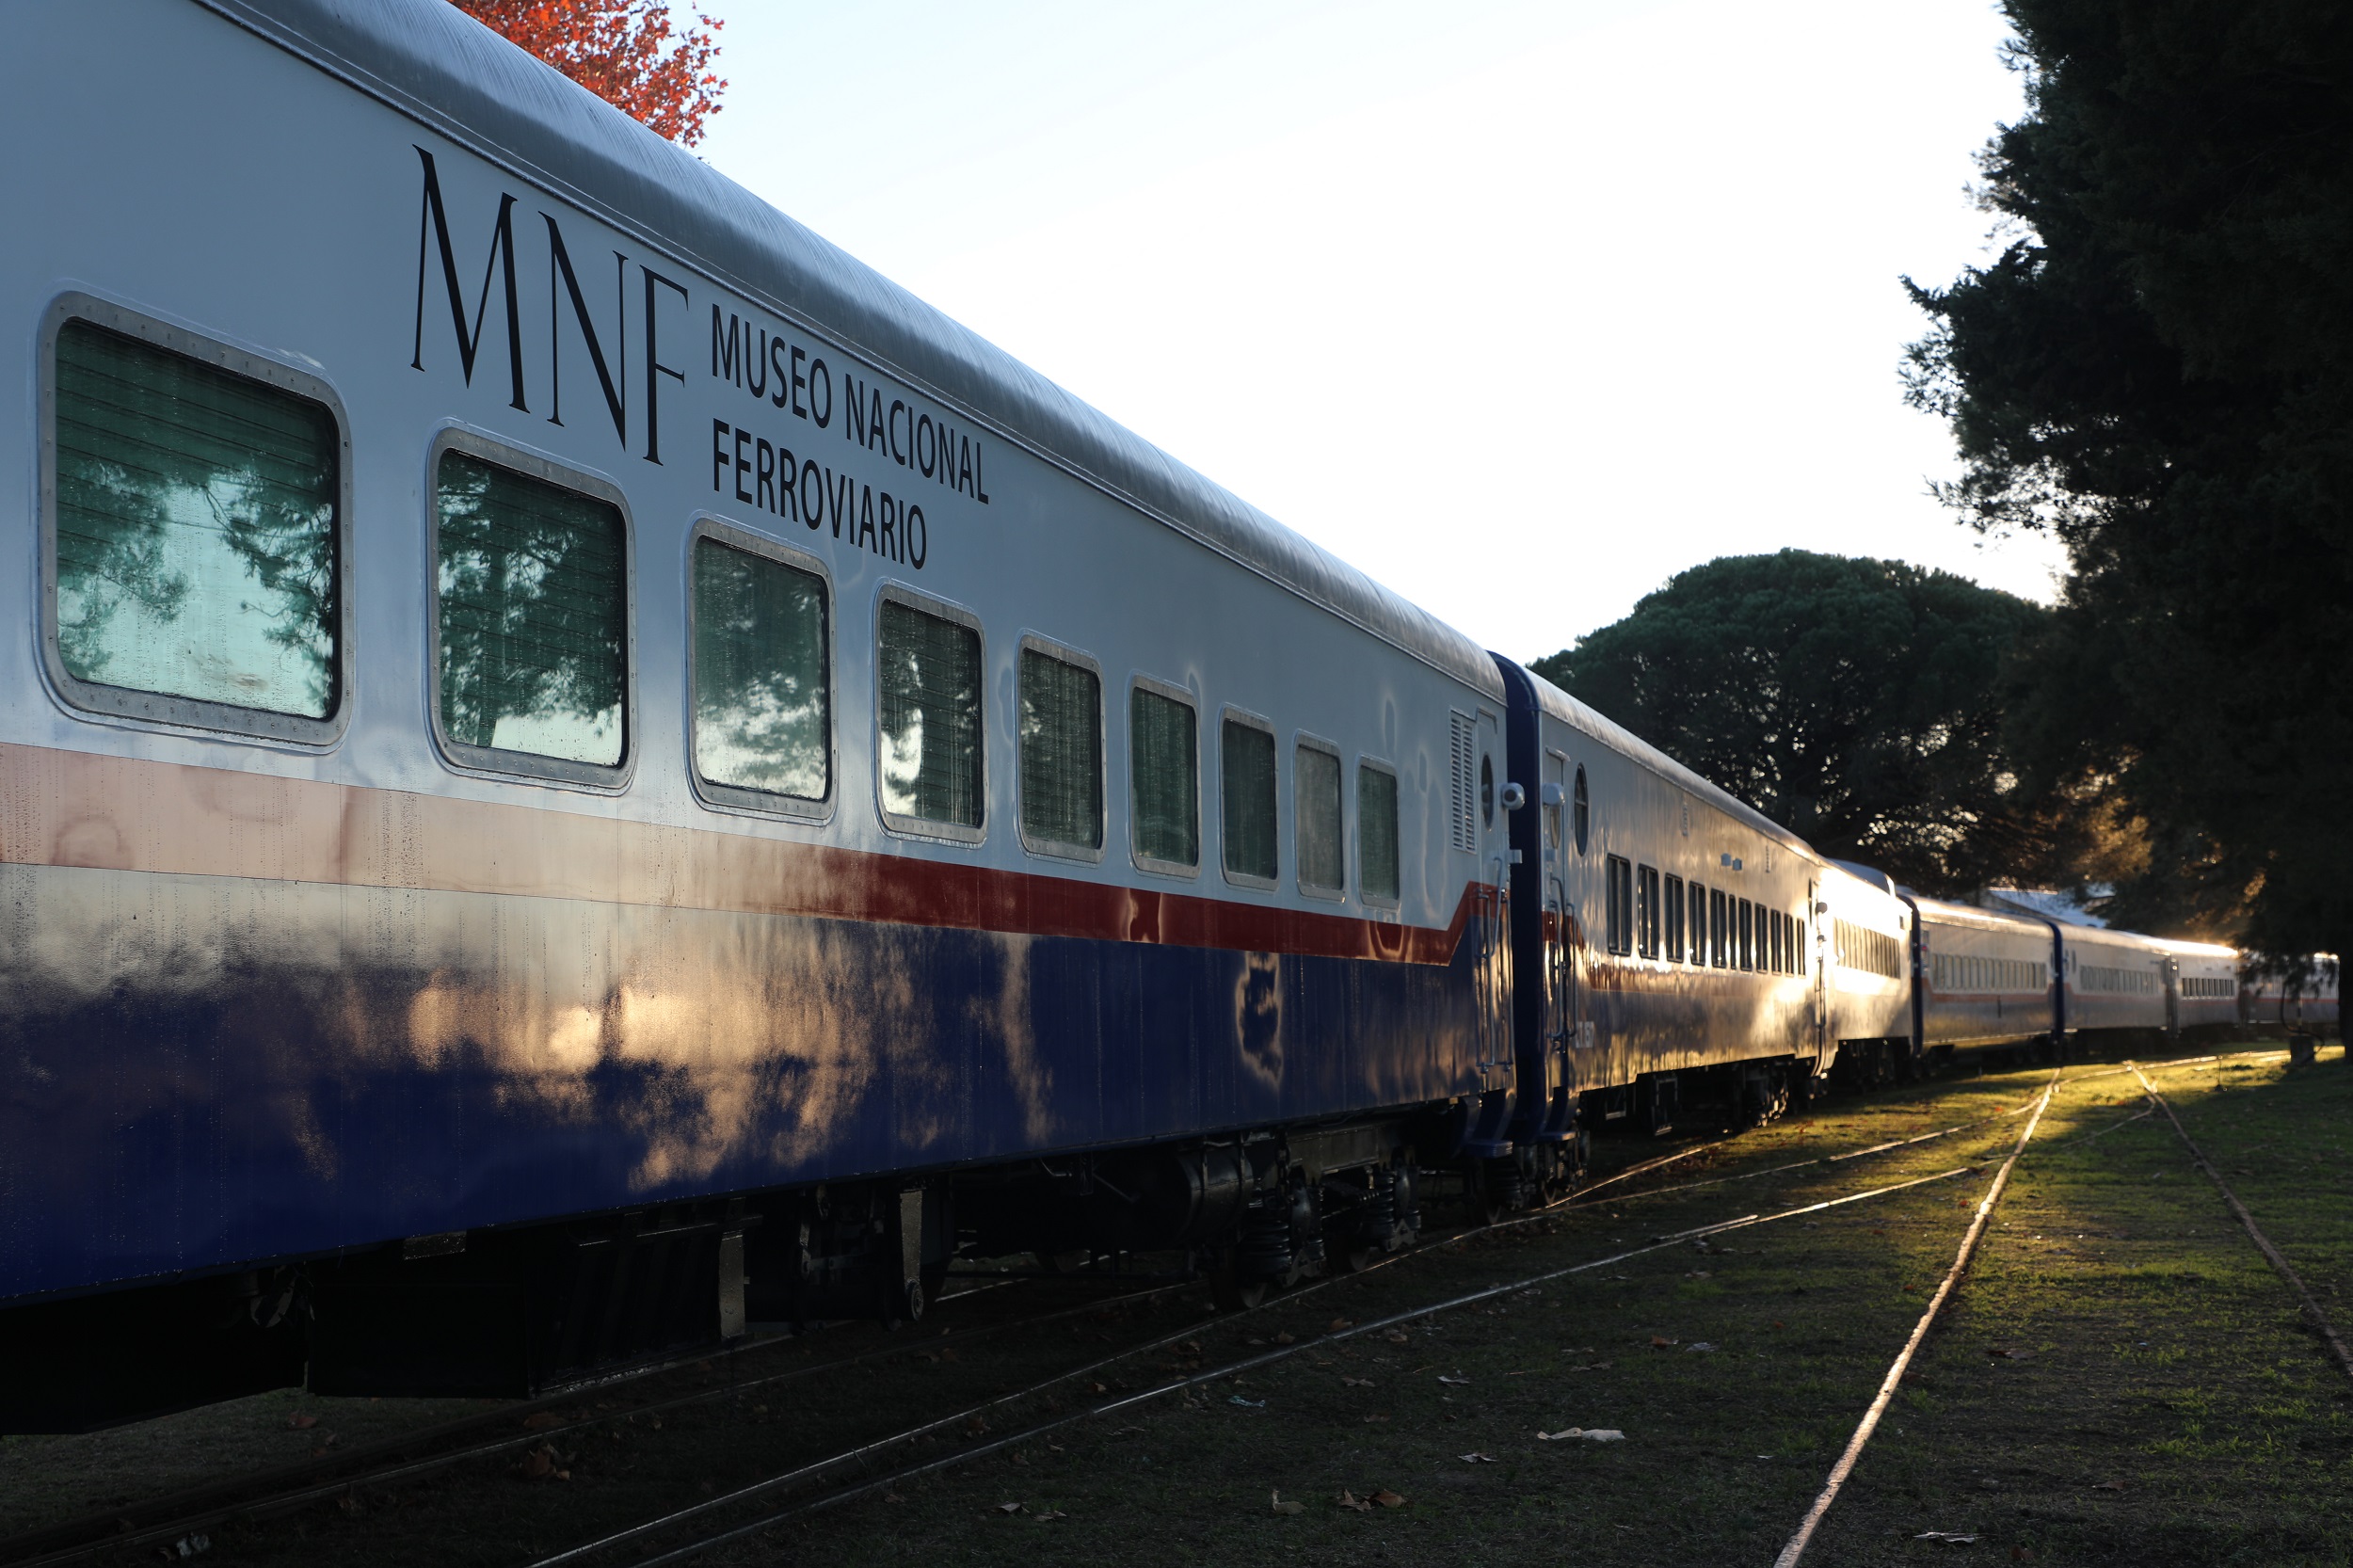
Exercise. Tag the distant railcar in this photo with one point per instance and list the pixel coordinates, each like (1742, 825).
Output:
(1983, 978)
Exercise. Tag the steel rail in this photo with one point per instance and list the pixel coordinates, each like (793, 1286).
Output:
(805, 1472)
(1840, 1471)
(2255, 1232)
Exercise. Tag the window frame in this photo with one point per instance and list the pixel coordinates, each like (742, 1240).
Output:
(1355, 810)
(1647, 912)
(1034, 642)
(1173, 693)
(1303, 740)
(1228, 713)
(891, 591)
(1673, 890)
(735, 797)
(91, 699)
(496, 762)
(1618, 904)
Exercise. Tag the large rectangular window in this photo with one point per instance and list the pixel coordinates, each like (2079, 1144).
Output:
(1620, 874)
(1646, 911)
(1376, 833)
(1165, 778)
(1316, 788)
(928, 691)
(197, 527)
(1719, 930)
(1675, 920)
(1061, 754)
(532, 584)
(1748, 936)
(763, 717)
(1246, 755)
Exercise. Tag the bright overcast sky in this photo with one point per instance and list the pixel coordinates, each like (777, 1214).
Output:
(1520, 307)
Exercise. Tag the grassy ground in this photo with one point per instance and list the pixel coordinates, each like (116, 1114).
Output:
(2120, 1380)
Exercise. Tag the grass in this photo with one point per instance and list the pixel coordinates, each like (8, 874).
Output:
(2121, 1379)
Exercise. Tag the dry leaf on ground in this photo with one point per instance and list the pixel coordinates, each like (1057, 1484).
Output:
(1395, 1337)
(1285, 1337)
(1458, 1381)
(301, 1423)
(1282, 1507)
(1476, 1458)
(1387, 1499)
(1355, 1383)
(1661, 1342)
(1952, 1538)
(1011, 1508)
(1339, 1323)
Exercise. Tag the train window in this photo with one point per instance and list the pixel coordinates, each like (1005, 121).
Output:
(1770, 946)
(1799, 963)
(763, 724)
(1315, 790)
(197, 505)
(1647, 912)
(1376, 833)
(1061, 736)
(928, 699)
(1719, 931)
(1746, 958)
(531, 588)
(1675, 920)
(1246, 776)
(1580, 810)
(1487, 791)
(1164, 773)
(1618, 874)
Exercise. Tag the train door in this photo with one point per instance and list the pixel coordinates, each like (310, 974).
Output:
(1482, 824)
(1559, 934)
(1820, 1032)
(2170, 976)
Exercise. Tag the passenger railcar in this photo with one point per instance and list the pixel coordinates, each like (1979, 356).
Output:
(1866, 972)
(1671, 927)
(543, 692)
(2302, 998)
(1981, 977)
(2201, 984)
(2110, 980)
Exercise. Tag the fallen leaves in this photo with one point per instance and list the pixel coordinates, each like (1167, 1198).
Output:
(1282, 1507)
(1341, 1326)
(1355, 1383)
(1286, 1336)
(1476, 1458)
(543, 1463)
(301, 1423)
(542, 1420)
(1702, 1346)
(1587, 1435)
(1353, 1503)
(1661, 1342)
(1397, 1336)
(1951, 1538)
(2107, 1486)
(1247, 1404)
(1387, 1499)
(1458, 1381)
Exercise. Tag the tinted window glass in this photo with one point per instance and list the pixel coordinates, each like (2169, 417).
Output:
(1316, 781)
(1062, 751)
(1376, 832)
(1248, 775)
(533, 614)
(929, 679)
(1675, 920)
(1719, 931)
(196, 529)
(1162, 760)
(761, 714)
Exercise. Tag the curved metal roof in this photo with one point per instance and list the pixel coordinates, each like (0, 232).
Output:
(1569, 710)
(434, 63)
(1948, 913)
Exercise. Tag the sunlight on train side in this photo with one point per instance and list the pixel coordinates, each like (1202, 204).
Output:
(196, 529)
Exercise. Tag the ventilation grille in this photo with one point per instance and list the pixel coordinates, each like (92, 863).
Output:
(1462, 770)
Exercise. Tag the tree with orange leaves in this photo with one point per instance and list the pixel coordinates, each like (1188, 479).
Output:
(626, 52)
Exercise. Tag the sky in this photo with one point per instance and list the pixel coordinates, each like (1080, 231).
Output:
(1521, 308)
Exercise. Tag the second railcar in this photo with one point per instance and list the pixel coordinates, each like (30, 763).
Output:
(1981, 978)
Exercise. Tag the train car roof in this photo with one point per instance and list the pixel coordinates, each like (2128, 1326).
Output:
(1559, 705)
(1948, 913)
(2193, 950)
(434, 63)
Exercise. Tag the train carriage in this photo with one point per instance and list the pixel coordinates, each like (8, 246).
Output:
(1866, 971)
(1983, 978)
(2110, 980)
(2201, 984)
(545, 693)
(1672, 926)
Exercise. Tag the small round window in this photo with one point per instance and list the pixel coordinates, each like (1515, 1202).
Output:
(1581, 811)
(1487, 789)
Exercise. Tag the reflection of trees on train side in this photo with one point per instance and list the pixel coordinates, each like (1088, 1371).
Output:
(929, 671)
(533, 615)
(196, 529)
(760, 720)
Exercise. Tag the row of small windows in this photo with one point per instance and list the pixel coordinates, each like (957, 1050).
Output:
(198, 557)
(1952, 972)
(1649, 914)
(2210, 987)
(2096, 977)
(1872, 951)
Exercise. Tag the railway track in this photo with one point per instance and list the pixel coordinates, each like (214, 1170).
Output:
(162, 1521)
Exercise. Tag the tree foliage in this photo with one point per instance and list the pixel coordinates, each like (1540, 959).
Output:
(1861, 703)
(626, 52)
(2159, 368)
